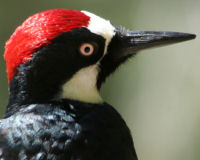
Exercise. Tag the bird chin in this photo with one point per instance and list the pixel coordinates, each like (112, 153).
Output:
(82, 86)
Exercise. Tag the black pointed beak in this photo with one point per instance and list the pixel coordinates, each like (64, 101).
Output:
(134, 41)
(126, 43)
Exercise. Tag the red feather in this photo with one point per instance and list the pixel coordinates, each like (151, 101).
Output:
(38, 31)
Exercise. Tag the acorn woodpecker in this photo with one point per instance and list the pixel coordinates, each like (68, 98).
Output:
(56, 62)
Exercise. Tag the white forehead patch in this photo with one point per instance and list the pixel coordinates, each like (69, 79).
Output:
(101, 27)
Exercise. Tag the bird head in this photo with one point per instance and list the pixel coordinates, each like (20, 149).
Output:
(64, 53)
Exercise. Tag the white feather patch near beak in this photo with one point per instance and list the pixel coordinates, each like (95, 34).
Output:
(101, 27)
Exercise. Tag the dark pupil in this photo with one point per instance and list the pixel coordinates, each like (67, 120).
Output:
(87, 49)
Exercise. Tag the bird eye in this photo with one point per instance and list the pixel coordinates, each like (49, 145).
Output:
(86, 49)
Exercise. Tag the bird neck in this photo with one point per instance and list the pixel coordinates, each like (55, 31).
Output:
(83, 86)
(25, 88)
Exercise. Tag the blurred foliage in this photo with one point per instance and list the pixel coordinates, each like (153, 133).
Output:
(157, 92)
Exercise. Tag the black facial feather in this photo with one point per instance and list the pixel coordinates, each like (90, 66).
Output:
(41, 78)
(111, 60)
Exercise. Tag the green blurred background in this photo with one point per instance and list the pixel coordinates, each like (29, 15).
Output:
(158, 91)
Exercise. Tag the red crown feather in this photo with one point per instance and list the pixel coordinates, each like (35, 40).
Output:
(38, 31)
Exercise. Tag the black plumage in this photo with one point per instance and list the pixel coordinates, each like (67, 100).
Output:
(66, 129)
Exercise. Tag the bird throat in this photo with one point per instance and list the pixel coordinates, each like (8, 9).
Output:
(82, 86)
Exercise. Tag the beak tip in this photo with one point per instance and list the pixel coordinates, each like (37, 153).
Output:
(192, 36)
(187, 36)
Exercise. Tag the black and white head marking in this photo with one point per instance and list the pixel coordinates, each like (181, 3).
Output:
(83, 85)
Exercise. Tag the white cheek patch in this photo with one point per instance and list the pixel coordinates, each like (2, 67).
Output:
(82, 86)
(101, 27)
